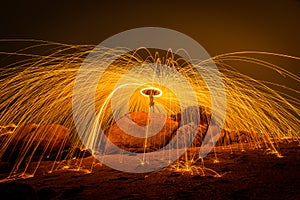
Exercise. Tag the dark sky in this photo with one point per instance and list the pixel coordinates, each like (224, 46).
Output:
(219, 26)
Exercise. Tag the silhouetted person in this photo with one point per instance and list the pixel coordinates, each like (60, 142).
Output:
(151, 103)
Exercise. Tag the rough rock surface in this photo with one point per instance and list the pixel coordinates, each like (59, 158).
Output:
(136, 144)
(38, 141)
(170, 131)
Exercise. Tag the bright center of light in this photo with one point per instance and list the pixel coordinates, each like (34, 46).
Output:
(155, 92)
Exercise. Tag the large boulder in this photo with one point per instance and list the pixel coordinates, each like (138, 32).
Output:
(226, 137)
(137, 144)
(170, 131)
(36, 142)
(230, 137)
(185, 136)
(202, 116)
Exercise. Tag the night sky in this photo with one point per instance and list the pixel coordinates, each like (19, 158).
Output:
(219, 26)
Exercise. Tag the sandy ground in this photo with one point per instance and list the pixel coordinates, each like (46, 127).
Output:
(249, 174)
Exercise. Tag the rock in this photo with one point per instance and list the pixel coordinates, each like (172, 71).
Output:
(170, 129)
(50, 140)
(12, 142)
(230, 137)
(39, 141)
(225, 138)
(201, 131)
(6, 133)
(184, 136)
(136, 144)
(203, 116)
(7, 129)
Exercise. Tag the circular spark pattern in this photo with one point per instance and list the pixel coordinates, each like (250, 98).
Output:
(155, 92)
(38, 89)
(89, 129)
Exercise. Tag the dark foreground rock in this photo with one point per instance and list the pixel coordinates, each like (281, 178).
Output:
(36, 142)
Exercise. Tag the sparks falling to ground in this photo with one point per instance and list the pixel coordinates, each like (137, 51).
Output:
(36, 106)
